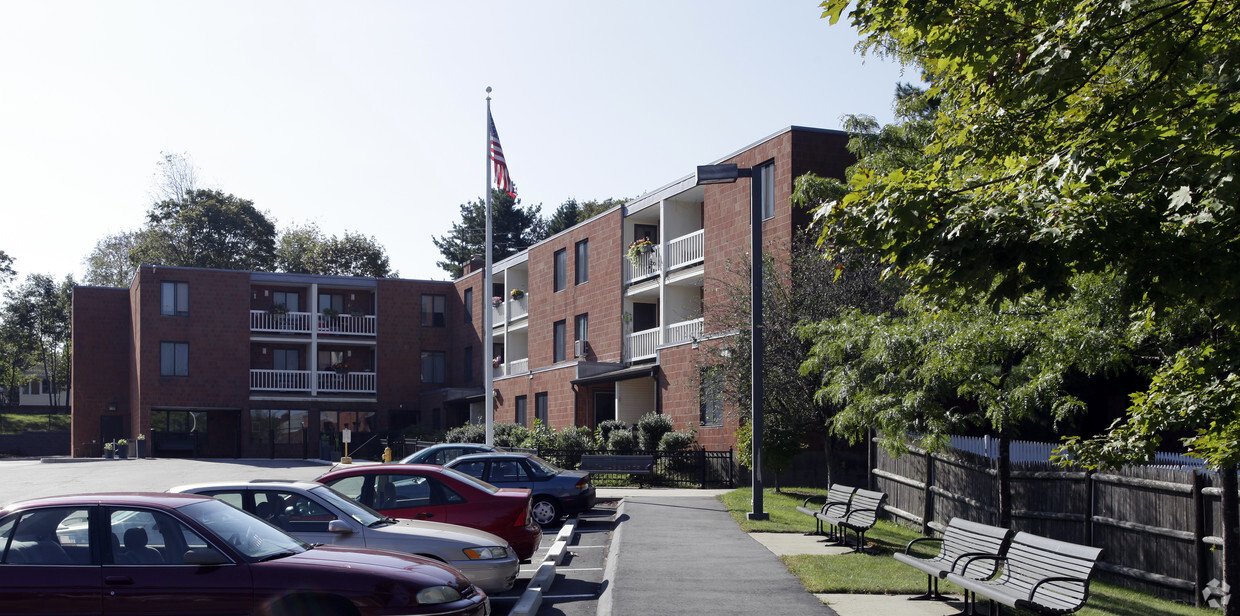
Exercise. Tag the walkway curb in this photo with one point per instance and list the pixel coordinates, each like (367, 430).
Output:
(609, 571)
(544, 577)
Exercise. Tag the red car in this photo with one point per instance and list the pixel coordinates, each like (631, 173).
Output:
(438, 494)
(189, 554)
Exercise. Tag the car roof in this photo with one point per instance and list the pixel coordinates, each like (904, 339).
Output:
(159, 499)
(253, 484)
(490, 455)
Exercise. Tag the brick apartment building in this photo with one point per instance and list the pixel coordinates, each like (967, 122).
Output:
(215, 363)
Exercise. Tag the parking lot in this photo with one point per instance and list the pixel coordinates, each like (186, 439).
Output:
(575, 590)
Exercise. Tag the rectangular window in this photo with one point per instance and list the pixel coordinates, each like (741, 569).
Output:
(557, 334)
(561, 269)
(174, 359)
(469, 364)
(766, 186)
(289, 300)
(286, 359)
(469, 305)
(711, 397)
(174, 298)
(432, 311)
(433, 366)
(521, 402)
(581, 327)
(540, 407)
(331, 301)
(582, 264)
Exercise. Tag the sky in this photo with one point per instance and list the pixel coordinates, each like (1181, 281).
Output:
(370, 117)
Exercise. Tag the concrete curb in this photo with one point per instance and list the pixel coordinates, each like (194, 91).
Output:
(609, 571)
(544, 577)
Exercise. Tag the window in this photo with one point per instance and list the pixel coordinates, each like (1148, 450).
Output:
(557, 335)
(152, 538)
(290, 300)
(766, 185)
(274, 426)
(582, 264)
(331, 301)
(432, 310)
(581, 327)
(433, 366)
(469, 364)
(327, 359)
(711, 397)
(174, 298)
(286, 359)
(469, 305)
(540, 407)
(521, 403)
(174, 359)
(561, 265)
(54, 536)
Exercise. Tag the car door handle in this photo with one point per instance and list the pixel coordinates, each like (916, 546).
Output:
(423, 516)
(118, 580)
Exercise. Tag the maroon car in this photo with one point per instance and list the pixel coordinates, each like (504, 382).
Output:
(438, 494)
(190, 554)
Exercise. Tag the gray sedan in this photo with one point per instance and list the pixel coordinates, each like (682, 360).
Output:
(316, 513)
(557, 492)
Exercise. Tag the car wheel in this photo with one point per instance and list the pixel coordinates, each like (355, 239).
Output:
(545, 511)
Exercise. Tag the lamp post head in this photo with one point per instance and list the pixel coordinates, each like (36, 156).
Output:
(720, 174)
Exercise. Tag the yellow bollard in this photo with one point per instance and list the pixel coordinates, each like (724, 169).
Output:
(387, 454)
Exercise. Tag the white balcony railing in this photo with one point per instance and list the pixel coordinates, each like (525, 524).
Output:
(686, 249)
(362, 325)
(497, 314)
(647, 265)
(684, 331)
(287, 322)
(347, 382)
(280, 380)
(641, 345)
(519, 366)
(518, 308)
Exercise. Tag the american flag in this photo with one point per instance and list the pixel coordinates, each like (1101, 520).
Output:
(502, 179)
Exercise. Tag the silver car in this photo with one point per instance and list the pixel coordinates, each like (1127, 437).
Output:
(318, 514)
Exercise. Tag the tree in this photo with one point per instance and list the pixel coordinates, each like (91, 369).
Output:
(176, 178)
(570, 213)
(6, 268)
(207, 229)
(39, 311)
(513, 229)
(111, 262)
(307, 250)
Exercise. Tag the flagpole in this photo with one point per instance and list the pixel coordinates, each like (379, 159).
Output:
(488, 369)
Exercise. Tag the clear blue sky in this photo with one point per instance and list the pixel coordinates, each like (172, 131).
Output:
(370, 116)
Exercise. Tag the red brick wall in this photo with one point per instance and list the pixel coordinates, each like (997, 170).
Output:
(402, 338)
(101, 364)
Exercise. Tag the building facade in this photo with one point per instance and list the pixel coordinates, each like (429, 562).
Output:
(215, 363)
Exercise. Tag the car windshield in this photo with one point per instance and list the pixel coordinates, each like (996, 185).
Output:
(363, 514)
(255, 539)
(473, 481)
(543, 467)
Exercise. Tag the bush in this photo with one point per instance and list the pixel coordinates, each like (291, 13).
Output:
(676, 441)
(467, 433)
(621, 441)
(510, 435)
(603, 432)
(574, 438)
(651, 428)
(539, 437)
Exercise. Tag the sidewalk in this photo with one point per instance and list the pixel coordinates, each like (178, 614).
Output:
(679, 552)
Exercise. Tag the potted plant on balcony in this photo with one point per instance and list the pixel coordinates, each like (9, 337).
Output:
(638, 251)
(341, 367)
(122, 449)
(497, 301)
(516, 294)
(499, 359)
(141, 445)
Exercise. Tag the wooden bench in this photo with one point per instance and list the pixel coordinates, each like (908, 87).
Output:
(961, 540)
(836, 501)
(861, 515)
(617, 464)
(1043, 575)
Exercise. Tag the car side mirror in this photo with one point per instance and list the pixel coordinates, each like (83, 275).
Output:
(205, 557)
(339, 526)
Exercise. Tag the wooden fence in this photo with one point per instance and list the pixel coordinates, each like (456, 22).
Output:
(1160, 529)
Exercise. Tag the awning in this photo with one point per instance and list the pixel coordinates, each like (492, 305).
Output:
(623, 374)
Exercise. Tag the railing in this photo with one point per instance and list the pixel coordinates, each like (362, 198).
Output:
(280, 380)
(519, 366)
(686, 249)
(647, 265)
(347, 382)
(640, 345)
(684, 331)
(518, 308)
(497, 314)
(362, 325)
(286, 322)
(497, 371)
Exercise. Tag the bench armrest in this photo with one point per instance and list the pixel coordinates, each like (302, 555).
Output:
(973, 557)
(806, 503)
(909, 547)
(1084, 582)
(827, 507)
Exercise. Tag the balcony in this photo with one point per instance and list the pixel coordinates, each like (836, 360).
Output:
(300, 380)
(510, 310)
(683, 251)
(304, 322)
(642, 345)
(684, 331)
(516, 366)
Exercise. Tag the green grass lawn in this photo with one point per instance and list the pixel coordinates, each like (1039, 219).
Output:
(879, 573)
(12, 423)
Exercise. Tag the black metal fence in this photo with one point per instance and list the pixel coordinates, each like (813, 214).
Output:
(697, 468)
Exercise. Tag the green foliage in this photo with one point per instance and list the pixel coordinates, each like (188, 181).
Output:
(209, 229)
(508, 435)
(651, 428)
(620, 440)
(602, 432)
(36, 333)
(14, 423)
(513, 229)
(570, 213)
(468, 433)
(109, 263)
(678, 440)
(539, 437)
(573, 438)
(307, 250)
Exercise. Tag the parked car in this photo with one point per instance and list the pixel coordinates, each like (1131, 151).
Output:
(443, 452)
(557, 492)
(318, 514)
(438, 494)
(190, 554)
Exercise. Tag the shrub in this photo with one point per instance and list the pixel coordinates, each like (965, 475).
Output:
(603, 432)
(539, 437)
(651, 428)
(467, 433)
(621, 441)
(676, 441)
(510, 435)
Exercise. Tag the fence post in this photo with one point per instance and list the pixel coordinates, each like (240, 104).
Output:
(1199, 535)
(927, 505)
(1090, 486)
(702, 457)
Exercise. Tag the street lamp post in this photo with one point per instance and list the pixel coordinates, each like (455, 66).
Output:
(728, 174)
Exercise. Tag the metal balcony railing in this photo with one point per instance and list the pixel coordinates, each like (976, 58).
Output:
(641, 345)
(686, 249)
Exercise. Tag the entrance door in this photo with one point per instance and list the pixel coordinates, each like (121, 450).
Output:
(604, 406)
(111, 428)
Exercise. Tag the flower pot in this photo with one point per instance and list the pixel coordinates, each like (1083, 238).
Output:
(123, 451)
(142, 449)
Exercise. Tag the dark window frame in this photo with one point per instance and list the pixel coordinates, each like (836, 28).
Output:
(521, 408)
(178, 350)
(560, 269)
(559, 339)
(180, 298)
(541, 410)
(581, 262)
(438, 361)
(435, 315)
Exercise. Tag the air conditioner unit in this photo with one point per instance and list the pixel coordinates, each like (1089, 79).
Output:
(581, 348)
